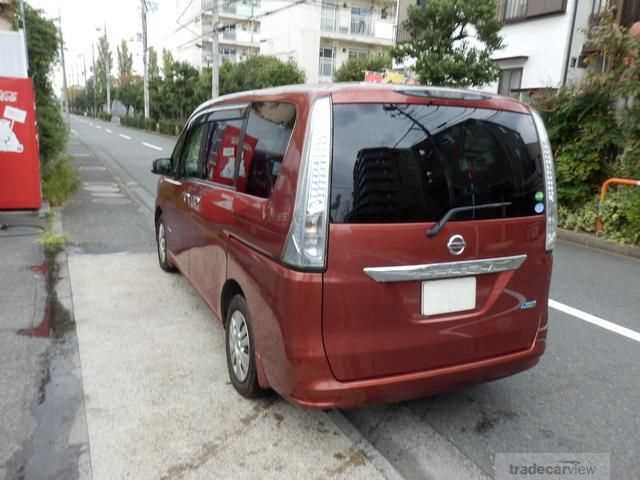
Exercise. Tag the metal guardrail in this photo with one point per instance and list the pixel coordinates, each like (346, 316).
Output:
(603, 192)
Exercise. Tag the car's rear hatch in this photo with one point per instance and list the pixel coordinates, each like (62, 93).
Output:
(393, 300)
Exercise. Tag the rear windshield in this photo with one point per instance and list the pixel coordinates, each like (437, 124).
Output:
(412, 163)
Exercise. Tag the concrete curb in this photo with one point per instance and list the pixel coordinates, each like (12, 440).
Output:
(379, 461)
(591, 241)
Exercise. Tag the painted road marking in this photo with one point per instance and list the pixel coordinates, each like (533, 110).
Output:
(126, 137)
(92, 168)
(600, 322)
(108, 131)
(149, 145)
(98, 127)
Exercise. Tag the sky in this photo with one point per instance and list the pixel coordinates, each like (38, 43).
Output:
(81, 18)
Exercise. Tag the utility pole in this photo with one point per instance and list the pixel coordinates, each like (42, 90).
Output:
(215, 62)
(95, 84)
(65, 91)
(145, 60)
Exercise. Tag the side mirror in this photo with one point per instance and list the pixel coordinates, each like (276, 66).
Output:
(161, 166)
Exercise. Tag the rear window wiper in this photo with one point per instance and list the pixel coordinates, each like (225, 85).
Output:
(433, 231)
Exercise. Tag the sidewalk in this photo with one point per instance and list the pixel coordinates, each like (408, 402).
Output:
(22, 306)
(159, 402)
(42, 422)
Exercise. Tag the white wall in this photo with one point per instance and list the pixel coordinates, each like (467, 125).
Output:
(543, 41)
(13, 61)
(294, 34)
(574, 74)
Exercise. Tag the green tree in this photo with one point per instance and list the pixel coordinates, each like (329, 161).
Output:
(129, 88)
(258, 72)
(125, 63)
(167, 64)
(104, 65)
(155, 84)
(353, 70)
(452, 42)
(153, 69)
(43, 47)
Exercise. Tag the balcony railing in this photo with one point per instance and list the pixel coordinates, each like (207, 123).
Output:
(353, 21)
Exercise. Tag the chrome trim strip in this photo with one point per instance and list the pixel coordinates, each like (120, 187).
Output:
(410, 273)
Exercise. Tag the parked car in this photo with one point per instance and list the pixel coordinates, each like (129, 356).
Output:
(364, 243)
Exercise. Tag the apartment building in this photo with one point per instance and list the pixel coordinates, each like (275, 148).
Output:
(546, 41)
(320, 35)
(237, 33)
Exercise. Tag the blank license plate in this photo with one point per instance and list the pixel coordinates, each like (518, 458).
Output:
(447, 296)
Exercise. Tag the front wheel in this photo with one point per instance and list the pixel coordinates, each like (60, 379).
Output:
(240, 346)
(163, 251)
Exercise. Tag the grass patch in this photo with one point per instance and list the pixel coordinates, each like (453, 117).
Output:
(52, 242)
(60, 180)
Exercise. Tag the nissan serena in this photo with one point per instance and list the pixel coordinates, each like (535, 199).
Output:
(364, 243)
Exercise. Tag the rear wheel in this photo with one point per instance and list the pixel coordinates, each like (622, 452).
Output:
(163, 251)
(240, 348)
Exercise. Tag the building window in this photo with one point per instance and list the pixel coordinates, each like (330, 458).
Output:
(327, 61)
(360, 21)
(358, 53)
(510, 82)
(228, 54)
(515, 10)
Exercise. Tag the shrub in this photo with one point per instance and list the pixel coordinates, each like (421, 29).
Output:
(621, 215)
(353, 70)
(579, 122)
(59, 180)
(104, 116)
(169, 127)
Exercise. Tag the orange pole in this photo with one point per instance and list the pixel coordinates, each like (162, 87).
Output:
(603, 192)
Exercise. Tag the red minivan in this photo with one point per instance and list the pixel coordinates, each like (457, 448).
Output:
(364, 243)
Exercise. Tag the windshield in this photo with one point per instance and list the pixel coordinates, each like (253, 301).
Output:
(413, 163)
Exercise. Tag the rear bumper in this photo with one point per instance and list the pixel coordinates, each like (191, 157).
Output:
(329, 393)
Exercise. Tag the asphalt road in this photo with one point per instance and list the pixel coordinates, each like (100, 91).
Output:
(582, 397)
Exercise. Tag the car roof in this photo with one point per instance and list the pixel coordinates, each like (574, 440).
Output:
(361, 91)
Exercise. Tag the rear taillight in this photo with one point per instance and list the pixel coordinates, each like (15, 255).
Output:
(307, 240)
(551, 199)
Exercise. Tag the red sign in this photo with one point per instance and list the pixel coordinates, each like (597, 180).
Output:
(223, 155)
(19, 152)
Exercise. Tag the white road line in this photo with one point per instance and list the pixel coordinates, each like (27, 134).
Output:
(149, 145)
(108, 131)
(126, 137)
(600, 322)
(98, 127)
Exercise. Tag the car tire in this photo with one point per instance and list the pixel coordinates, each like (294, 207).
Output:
(240, 348)
(161, 247)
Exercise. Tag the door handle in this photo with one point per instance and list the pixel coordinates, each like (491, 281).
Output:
(192, 201)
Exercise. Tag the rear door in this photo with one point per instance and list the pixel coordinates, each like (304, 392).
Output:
(398, 300)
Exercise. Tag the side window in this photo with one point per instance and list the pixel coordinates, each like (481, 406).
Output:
(269, 129)
(221, 152)
(191, 151)
(177, 150)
